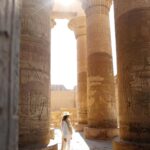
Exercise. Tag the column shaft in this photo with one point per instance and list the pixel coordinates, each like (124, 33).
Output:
(133, 51)
(101, 96)
(82, 79)
(78, 25)
(34, 73)
(9, 73)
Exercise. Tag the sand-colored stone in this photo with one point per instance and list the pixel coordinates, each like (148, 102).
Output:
(133, 38)
(101, 134)
(133, 30)
(52, 133)
(128, 5)
(126, 145)
(101, 94)
(53, 145)
(79, 127)
(78, 25)
(117, 100)
(62, 99)
(34, 73)
(55, 119)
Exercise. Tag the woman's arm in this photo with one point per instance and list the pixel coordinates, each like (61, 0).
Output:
(64, 129)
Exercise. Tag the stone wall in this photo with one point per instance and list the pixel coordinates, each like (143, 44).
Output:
(62, 99)
(9, 51)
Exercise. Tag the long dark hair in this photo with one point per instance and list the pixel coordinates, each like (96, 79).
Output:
(68, 123)
(65, 118)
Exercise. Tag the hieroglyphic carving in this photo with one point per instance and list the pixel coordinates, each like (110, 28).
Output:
(101, 99)
(133, 29)
(31, 75)
(36, 105)
(32, 29)
(35, 72)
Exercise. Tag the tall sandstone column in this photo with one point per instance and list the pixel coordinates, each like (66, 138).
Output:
(78, 25)
(9, 73)
(133, 51)
(102, 122)
(35, 73)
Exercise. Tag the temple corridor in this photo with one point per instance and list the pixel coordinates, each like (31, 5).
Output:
(80, 143)
(107, 106)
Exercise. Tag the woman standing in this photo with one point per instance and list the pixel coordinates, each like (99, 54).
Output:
(67, 131)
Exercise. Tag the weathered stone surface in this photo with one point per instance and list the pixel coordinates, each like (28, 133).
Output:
(100, 133)
(101, 105)
(101, 94)
(126, 145)
(9, 69)
(62, 98)
(134, 84)
(79, 127)
(133, 30)
(129, 5)
(34, 73)
(78, 25)
(51, 146)
(82, 97)
(117, 100)
(88, 4)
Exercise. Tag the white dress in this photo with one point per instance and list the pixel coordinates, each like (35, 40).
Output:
(66, 134)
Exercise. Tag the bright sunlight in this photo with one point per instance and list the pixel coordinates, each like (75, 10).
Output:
(63, 55)
(63, 52)
(65, 2)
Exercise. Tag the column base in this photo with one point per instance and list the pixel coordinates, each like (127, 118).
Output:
(52, 146)
(99, 133)
(125, 145)
(80, 127)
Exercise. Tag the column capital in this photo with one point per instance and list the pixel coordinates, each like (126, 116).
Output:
(78, 25)
(52, 23)
(96, 5)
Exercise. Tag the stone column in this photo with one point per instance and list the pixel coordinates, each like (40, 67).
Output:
(117, 100)
(78, 25)
(35, 73)
(9, 73)
(133, 51)
(102, 122)
(52, 130)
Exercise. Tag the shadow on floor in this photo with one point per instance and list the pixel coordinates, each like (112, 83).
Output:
(97, 144)
(78, 142)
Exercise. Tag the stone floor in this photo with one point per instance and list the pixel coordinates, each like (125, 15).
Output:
(79, 143)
